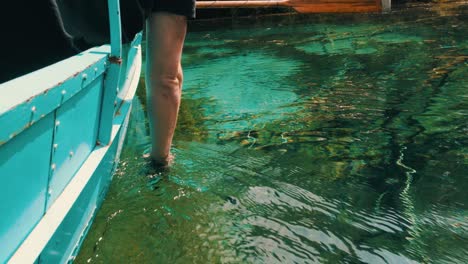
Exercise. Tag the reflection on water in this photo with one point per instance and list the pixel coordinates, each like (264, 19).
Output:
(304, 141)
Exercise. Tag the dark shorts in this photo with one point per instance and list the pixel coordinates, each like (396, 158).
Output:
(179, 7)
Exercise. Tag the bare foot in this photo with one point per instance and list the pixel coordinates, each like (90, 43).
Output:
(161, 162)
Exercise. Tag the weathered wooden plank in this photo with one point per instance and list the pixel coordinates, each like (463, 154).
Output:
(244, 4)
(301, 6)
(340, 7)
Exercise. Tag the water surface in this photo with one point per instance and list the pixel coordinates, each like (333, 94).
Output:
(304, 139)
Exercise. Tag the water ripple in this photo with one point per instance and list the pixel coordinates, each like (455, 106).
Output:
(303, 141)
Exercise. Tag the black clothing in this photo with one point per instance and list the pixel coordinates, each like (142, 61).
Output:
(46, 31)
(179, 7)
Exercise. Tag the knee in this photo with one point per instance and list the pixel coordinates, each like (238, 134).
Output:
(168, 85)
(180, 77)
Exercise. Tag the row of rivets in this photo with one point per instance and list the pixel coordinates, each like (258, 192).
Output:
(85, 76)
(55, 146)
(57, 123)
(52, 167)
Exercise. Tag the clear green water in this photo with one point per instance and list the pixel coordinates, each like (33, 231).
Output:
(338, 139)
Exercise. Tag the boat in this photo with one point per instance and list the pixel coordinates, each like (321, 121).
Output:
(304, 6)
(62, 129)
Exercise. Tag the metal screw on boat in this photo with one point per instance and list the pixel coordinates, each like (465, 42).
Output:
(33, 109)
(64, 92)
(57, 123)
(55, 146)
(71, 154)
(53, 166)
(85, 76)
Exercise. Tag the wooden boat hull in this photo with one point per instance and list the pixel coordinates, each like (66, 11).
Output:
(339, 6)
(54, 170)
(304, 6)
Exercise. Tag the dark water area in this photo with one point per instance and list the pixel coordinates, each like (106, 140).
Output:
(304, 139)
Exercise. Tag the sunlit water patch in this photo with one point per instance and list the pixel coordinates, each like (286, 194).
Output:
(304, 141)
(245, 90)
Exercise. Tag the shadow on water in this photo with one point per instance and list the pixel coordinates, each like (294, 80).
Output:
(310, 139)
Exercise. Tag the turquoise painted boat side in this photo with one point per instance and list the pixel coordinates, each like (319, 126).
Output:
(127, 63)
(75, 134)
(113, 75)
(78, 129)
(65, 243)
(52, 123)
(36, 164)
(24, 172)
(26, 100)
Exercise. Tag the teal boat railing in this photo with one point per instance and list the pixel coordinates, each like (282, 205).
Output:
(59, 127)
(113, 75)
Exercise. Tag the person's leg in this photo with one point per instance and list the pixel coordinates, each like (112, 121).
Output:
(165, 39)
